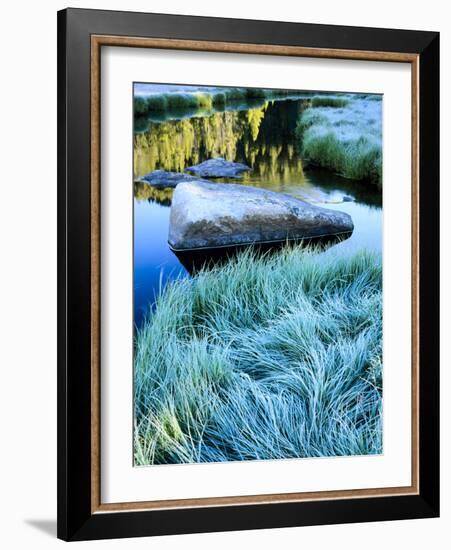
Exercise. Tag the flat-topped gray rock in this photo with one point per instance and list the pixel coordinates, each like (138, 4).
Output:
(161, 179)
(218, 168)
(212, 215)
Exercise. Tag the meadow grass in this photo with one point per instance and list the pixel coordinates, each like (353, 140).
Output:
(265, 357)
(329, 101)
(166, 101)
(346, 139)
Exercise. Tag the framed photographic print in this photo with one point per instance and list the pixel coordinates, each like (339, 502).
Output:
(248, 274)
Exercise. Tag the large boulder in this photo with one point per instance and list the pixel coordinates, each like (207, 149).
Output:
(161, 179)
(211, 215)
(218, 168)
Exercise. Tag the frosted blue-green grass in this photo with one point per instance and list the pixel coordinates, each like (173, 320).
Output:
(266, 357)
(344, 134)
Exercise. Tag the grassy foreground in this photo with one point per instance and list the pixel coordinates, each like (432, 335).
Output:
(263, 358)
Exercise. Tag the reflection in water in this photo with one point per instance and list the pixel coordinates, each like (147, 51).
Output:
(261, 136)
(257, 137)
(142, 124)
(317, 187)
(146, 192)
(194, 260)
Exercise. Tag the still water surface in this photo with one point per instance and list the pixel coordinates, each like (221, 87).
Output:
(263, 137)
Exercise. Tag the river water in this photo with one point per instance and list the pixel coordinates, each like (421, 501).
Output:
(259, 134)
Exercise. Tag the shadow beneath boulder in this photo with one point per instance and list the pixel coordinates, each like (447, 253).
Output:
(195, 259)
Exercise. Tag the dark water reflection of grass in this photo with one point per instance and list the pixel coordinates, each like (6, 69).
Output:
(262, 135)
(144, 123)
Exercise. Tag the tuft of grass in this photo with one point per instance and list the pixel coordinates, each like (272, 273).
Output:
(329, 101)
(256, 93)
(345, 139)
(157, 103)
(235, 94)
(182, 101)
(204, 100)
(219, 99)
(265, 357)
(140, 106)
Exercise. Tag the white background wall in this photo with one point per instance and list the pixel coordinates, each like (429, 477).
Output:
(28, 272)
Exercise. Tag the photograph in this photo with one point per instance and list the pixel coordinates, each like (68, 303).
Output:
(248, 272)
(257, 274)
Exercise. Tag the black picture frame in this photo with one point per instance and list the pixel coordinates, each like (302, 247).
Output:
(76, 520)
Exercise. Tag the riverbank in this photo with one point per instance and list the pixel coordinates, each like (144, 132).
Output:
(204, 100)
(344, 135)
(265, 357)
(187, 98)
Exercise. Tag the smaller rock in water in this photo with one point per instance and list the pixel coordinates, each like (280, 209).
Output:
(347, 198)
(161, 179)
(218, 168)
